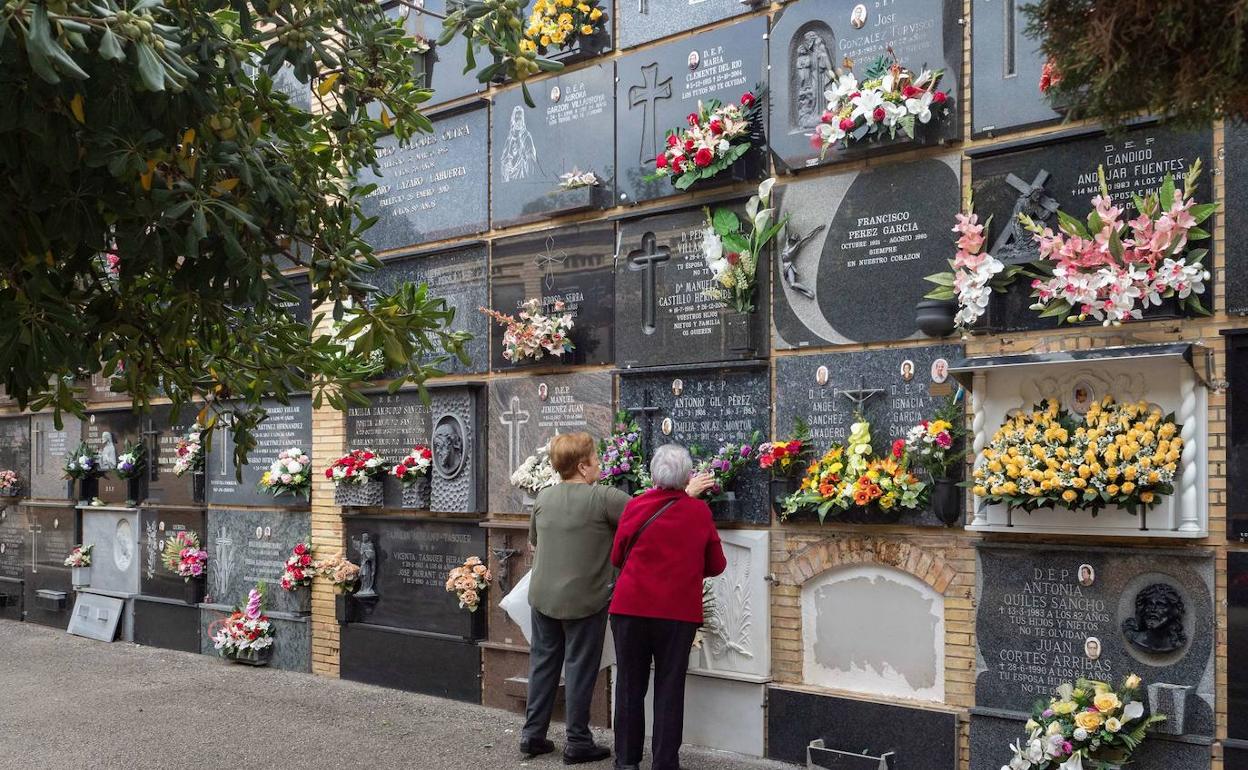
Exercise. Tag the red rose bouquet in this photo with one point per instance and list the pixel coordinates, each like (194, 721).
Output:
(718, 135)
(299, 568)
(359, 466)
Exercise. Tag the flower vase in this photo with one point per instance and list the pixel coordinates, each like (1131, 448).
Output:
(724, 507)
(780, 489)
(81, 576)
(343, 608)
(198, 485)
(935, 317)
(527, 500)
(302, 600)
(946, 501)
(88, 489)
(13, 492)
(194, 590)
(416, 494)
(739, 333)
(251, 657)
(585, 47)
(370, 494)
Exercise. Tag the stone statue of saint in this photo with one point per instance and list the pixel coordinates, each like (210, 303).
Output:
(1157, 625)
(519, 152)
(812, 72)
(448, 448)
(368, 566)
(108, 452)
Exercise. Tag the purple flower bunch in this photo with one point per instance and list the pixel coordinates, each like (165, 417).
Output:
(621, 453)
(728, 461)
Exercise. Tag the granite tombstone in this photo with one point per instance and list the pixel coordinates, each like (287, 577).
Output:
(1041, 608)
(457, 276)
(292, 637)
(811, 38)
(390, 425)
(1005, 71)
(1237, 645)
(437, 186)
(459, 440)
(48, 449)
(158, 526)
(658, 88)
(1236, 144)
(410, 559)
(110, 434)
(527, 413)
(1038, 179)
(246, 548)
(162, 435)
(647, 20)
(705, 410)
(15, 451)
(569, 133)
(663, 314)
(51, 533)
(569, 265)
(1237, 434)
(855, 252)
(441, 68)
(12, 559)
(100, 390)
(287, 427)
(113, 534)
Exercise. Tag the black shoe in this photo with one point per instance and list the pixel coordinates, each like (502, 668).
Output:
(628, 767)
(581, 755)
(535, 746)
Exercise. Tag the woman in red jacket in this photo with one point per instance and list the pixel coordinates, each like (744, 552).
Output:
(665, 545)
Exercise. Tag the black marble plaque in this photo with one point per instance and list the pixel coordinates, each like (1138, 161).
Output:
(657, 89)
(646, 20)
(1237, 435)
(162, 434)
(48, 449)
(246, 548)
(1135, 163)
(390, 426)
(442, 68)
(157, 526)
(298, 303)
(15, 450)
(12, 539)
(100, 390)
(860, 277)
(167, 624)
(287, 426)
(810, 37)
(1237, 644)
(435, 187)
(1005, 71)
(574, 265)
(662, 312)
(991, 736)
(51, 533)
(399, 659)
(525, 413)
(1035, 614)
(109, 433)
(572, 129)
(706, 410)
(1237, 231)
(459, 278)
(412, 562)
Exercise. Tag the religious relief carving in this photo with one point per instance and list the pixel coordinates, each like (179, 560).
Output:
(1157, 625)
(788, 259)
(108, 452)
(368, 565)
(1079, 388)
(448, 446)
(1014, 245)
(224, 558)
(729, 621)
(154, 544)
(646, 96)
(520, 153)
(123, 545)
(648, 258)
(811, 74)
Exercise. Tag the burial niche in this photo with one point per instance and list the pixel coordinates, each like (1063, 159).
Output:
(848, 644)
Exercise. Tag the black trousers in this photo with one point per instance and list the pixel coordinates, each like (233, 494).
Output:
(579, 642)
(638, 641)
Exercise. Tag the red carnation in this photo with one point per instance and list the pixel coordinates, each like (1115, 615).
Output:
(795, 446)
(426, 453)
(847, 124)
(939, 97)
(703, 158)
(672, 140)
(329, 473)
(733, 257)
(688, 145)
(678, 165)
(301, 549)
(661, 161)
(899, 446)
(827, 117)
(716, 126)
(693, 120)
(910, 92)
(747, 99)
(305, 560)
(878, 114)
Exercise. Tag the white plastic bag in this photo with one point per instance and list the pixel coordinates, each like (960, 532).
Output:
(516, 605)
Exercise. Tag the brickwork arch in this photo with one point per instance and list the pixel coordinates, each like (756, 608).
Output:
(831, 553)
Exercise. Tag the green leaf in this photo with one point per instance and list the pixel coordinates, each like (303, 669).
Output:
(151, 71)
(1165, 195)
(725, 221)
(1203, 211)
(941, 279)
(110, 46)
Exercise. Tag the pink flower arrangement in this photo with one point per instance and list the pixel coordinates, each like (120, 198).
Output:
(299, 568)
(717, 136)
(1114, 268)
(246, 632)
(10, 483)
(182, 555)
(412, 468)
(533, 334)
(974, 273)
(469, 581)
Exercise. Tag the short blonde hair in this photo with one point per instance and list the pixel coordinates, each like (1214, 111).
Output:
(569, 450)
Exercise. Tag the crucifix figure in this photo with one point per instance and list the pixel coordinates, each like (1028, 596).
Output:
(788, 257)
(645, 96)
(503, 554)
(513, 418)
(1014, 246)
(647, 258)
(861, 395)
(547, 260)
(644, 413)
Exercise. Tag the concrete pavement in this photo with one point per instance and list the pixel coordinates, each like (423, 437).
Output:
(72, 702)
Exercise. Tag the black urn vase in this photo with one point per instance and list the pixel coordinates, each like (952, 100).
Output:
(934, 317)
(947, 501)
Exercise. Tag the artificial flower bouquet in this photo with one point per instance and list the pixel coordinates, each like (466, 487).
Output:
(1116, 454)
(10, 483)
(727, 463)
(576, 179)
(621, 454)
(889, 99)
(356, 468)
(183, 555)
(132, 461)
(342, 573)
(560, 23)
(535, 473)
(469, 582)
(79, 557)
(718, 135)
(1087, 722)
(299, 569)
(189, 454)
(247, 634)
(786, 459)
(974, 273)
(732, 251)
(532, 334)
(83, 463)
(936, 445)
(1114, 268)
(414, 466)
(289, 474)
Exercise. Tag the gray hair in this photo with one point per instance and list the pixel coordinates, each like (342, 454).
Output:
(670, 467)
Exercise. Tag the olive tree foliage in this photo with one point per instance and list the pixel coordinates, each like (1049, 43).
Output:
(156, 186)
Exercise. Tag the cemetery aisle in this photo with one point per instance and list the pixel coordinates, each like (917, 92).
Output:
(140, 707)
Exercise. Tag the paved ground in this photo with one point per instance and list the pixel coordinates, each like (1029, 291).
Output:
(71, 702)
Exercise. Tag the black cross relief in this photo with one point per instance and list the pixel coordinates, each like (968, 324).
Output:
(644, 413)
(648, 258)
(646, 96)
